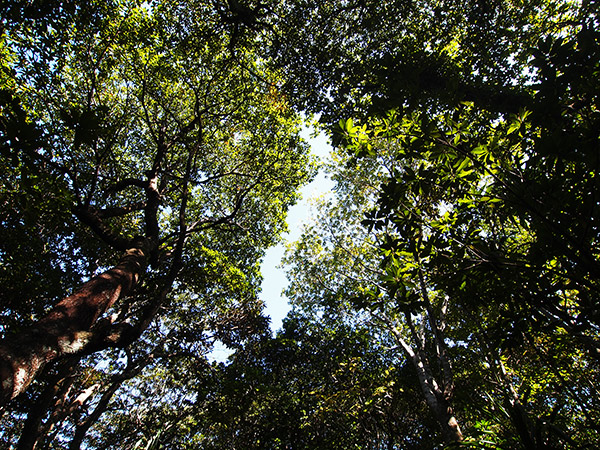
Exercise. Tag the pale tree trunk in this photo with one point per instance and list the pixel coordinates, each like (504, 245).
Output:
(437, 392)
(70, 327)
(83, 426)
(436, 397)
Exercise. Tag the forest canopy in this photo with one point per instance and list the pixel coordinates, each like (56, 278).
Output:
(445, 295)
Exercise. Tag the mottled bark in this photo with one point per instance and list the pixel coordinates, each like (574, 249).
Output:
(436, 396)
(68, 328)
(437, 392)
(57, 386)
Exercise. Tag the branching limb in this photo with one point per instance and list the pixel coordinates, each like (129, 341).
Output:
(125, 183)
(92, 219)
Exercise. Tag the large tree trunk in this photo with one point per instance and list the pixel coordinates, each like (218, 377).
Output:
(437, 395)
(438, 401)
(68, 328)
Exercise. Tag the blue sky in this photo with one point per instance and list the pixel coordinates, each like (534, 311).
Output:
(274, 276)
(275, 281)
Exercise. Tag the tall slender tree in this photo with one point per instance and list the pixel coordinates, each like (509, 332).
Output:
(146, 149)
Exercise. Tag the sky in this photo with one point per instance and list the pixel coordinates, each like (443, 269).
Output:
(275, 281)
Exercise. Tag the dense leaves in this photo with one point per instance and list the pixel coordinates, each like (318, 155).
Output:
(149, 128)
(312, 386)
(480, 250)
(444, 295)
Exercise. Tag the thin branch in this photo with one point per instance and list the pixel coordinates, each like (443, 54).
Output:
(118, 211)
(125, 183)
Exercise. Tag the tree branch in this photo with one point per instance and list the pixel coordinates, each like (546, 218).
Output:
(92, 219)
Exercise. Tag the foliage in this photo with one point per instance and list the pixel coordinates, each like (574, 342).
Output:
(484, 222)
(123, 120)
(446, 294)
(311, 386)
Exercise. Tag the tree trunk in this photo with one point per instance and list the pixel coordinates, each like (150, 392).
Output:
(437, 397)
(68, 328)
(437, 392)
(59, 384)
(439, 404)
(449, 424)
(82, 427)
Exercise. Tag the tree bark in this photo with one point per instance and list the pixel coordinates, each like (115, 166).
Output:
(82, 427)
(438, 402)
(437, 399)
(58, 385)
(69, 327)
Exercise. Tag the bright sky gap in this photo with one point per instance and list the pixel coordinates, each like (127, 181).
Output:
(274, 278)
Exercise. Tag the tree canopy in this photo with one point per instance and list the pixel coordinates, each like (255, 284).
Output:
(149, 131)
(445, 295)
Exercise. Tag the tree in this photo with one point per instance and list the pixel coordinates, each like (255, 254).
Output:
(489, 187)
(314, 385)
(393, 272)
(338, 271)
(363, 57)
(462, 246)
(150, 132)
